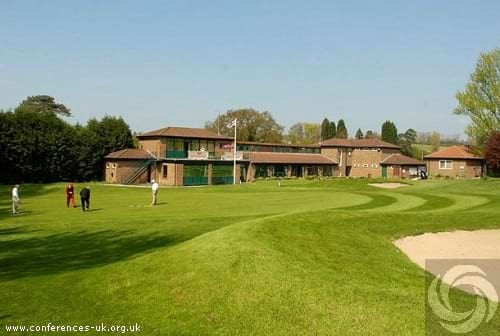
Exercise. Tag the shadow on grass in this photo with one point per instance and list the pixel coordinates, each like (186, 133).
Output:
(377, 201)
(73, 251)
(432, 202)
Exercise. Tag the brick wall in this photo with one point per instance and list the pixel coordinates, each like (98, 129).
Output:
(371, 158)
(460, 168)
(124, 168)
(110, 172)
(152, 145)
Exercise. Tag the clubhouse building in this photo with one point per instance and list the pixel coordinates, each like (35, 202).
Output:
(177, 156)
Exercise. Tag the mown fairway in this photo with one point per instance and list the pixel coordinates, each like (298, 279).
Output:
(310, 257)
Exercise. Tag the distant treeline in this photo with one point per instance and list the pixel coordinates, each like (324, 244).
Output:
(37, 145)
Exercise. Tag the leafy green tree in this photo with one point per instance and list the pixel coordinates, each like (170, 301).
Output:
(359, 134)
(36, 145)
(342, 130)
(332, 130)
(325, 129)
(304, 133)
(480, 100)
(406, 140)
(99, 138)
(296, 133)
(43, 104)
(252, 126)
(435, 141)
(389, 132)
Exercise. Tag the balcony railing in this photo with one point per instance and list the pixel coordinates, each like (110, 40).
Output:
(204, 155)
(173, 154)
(198, 155)
(230, 156)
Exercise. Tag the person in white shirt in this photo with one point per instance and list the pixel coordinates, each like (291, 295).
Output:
(154, 189)
(15, 199)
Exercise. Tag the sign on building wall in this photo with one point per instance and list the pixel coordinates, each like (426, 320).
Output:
(197, 155)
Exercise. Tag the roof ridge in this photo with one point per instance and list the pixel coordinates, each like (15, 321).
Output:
(388, 157)
(461, 150)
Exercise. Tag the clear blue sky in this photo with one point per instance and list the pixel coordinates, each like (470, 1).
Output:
(159, 63)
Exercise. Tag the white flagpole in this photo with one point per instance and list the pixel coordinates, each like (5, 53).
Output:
(234, 153)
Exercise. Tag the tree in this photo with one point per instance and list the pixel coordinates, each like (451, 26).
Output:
(252, 125)
(102, 137)
(359, 134)
(342, 130)
(296, 133)
(325, 129)
(304, 133)
(480, 100)
(43, 104)
(389, 132)
(332, 130)
(370, 135)
(435, 141)
(492, 153)
(406, 140)
(36, 145)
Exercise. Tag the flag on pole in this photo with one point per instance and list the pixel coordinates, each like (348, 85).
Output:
(231, 124)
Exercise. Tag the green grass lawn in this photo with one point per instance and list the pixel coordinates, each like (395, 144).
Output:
(309, 257)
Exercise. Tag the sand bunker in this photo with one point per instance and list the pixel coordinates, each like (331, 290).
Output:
(481, 245)
(389, 185)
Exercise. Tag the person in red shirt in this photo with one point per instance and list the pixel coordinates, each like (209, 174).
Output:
(70, 195)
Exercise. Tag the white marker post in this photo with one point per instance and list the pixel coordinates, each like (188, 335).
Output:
(231, 124)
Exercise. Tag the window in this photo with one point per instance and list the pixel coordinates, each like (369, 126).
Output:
(165, 170)
(445, 164)
(356, 165)
(365, 165)
(374, 165)
(107, 165)
(313, 170)
(113, 165)
(260, 171)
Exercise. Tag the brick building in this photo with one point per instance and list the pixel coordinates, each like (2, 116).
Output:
(455, 162)
(179, 156)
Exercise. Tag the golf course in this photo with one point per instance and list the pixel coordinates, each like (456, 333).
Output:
(307, 257)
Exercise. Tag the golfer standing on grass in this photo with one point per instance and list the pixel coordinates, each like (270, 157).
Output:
(154, 189)
(85, 198)
(15, 199)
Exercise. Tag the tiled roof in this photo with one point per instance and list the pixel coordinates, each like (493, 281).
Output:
(276, 144)
(183, 132)
(402, 160)
(454, 152)
(130, 153)
(289, 158)
(357, 143)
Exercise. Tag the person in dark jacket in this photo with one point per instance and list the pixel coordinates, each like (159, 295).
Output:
(85, 197)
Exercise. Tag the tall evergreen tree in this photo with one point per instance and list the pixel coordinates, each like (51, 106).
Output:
(389, 132)
(359, 134)
(342, 130)
(332, 130)
(325, 129)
